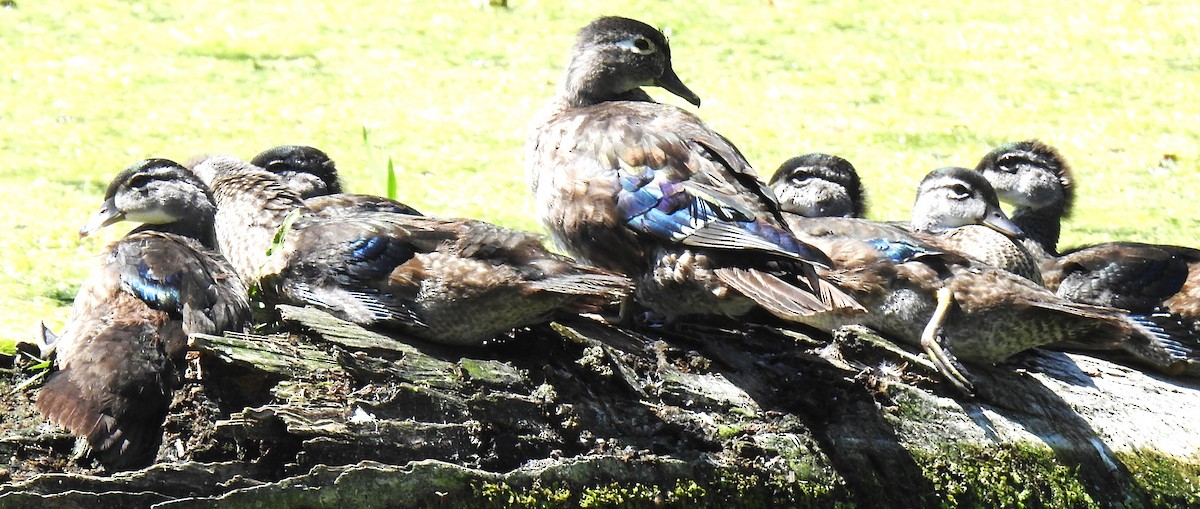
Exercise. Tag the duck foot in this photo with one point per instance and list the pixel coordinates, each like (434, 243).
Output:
(933, 348)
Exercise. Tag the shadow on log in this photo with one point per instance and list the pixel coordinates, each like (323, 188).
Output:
(580, 412)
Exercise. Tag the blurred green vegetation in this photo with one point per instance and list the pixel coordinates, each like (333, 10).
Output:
(446, 90)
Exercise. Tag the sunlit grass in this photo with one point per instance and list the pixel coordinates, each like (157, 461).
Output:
(446, 90)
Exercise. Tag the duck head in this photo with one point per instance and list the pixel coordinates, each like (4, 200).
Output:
(614, 57)
(158, 192)
(306, 170)
(1029, 174)
(953, 197)
(819, 185)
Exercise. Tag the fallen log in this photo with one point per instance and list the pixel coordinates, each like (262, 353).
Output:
(583, 413)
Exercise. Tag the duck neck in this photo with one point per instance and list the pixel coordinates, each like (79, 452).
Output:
(251, 206)
(1042, 225)
(197, 221)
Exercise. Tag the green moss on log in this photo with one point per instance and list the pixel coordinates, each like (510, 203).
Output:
(1166, 482)
(1010, 475)
(741, 490)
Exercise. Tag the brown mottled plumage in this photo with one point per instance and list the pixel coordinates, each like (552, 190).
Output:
(451, 281)
(1158, 282)
(649, 190)
(992, 313)
(120, 355)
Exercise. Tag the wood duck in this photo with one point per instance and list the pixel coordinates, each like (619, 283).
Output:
(957, 307)
(955, 210)
(960, 210)
(649, 190)
(1160, 282)
(819, 185)
(450, 281)
(121, 353)
(311, 173)
(1035, 179)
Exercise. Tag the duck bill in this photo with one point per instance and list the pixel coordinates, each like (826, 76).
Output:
(996, 220)
(108, 214)
(671, 82)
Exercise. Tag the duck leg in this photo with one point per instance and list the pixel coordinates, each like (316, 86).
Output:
(933, 348)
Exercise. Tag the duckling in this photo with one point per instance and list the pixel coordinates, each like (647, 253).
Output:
(1161, 282)
(451, 281)
(311, 173)
(959, 208)
(649, 190)
(955, 211)
(121, 353)
(819, 185)
(955, 307)
(1036, 180)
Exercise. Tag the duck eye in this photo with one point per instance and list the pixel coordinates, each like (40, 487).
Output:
(639, 45)
(960, 192)
(1010, 163)
(801, 176)
(139, 180)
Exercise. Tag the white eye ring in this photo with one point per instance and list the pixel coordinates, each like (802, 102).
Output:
(639, 45)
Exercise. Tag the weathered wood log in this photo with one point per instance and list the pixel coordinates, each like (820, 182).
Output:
(585, 413)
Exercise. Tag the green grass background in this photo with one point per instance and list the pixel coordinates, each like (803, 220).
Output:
(446, 89)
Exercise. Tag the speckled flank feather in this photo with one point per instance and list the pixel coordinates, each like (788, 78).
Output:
(649, 190)
(990, 247)
(995, 314)
(251, 206)
(120, 354)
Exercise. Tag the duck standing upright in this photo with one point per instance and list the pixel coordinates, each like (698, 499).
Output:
(648, 189)
(120, 355)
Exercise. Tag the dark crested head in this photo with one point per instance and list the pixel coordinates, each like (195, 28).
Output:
(154, 191)
(1030, 174)
(819, 185)
(307, 170)
(614, 57)
(953, 197)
